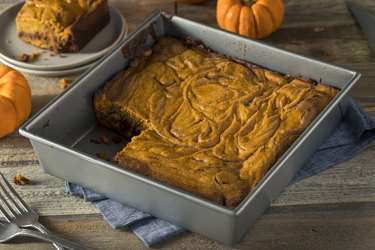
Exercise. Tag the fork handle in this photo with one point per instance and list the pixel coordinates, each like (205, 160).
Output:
(38, 226)
(53, 239)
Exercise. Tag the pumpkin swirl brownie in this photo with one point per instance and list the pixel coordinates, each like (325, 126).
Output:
(204, 123)
(61, 25)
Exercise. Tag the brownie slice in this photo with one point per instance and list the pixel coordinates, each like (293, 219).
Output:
(61, 25)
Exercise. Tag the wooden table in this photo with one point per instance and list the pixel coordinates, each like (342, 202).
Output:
(332, 210)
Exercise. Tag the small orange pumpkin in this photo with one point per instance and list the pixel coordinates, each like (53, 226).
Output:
(15, 100)
(252, 18)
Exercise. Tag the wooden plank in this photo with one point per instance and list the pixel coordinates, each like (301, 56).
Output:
(336, 226)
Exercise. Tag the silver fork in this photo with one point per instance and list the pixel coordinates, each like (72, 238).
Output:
(20, 214)
(9, 230)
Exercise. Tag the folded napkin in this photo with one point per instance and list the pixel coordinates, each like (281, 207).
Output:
(354, 134)
(149, 229)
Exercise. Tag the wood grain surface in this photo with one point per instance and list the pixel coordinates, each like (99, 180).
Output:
(332, 210)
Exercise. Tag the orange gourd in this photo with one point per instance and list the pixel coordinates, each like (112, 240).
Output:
(15, 100)
(252, 18)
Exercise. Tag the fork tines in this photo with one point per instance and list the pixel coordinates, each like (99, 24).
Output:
(14, 204)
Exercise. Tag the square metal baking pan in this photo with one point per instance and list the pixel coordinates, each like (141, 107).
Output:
(63, 131)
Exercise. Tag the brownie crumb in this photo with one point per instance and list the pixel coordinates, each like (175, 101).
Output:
(104, 139)
(64, 83)
(19, 179)
(27, 58)
(148, 52)
(102, 156)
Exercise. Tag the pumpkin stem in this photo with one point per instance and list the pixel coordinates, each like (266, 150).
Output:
(248, 2)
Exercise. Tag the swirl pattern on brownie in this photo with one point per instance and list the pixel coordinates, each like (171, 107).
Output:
(209, 125)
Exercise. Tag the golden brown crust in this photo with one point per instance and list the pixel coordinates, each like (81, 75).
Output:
(61, 25)
(213, 126)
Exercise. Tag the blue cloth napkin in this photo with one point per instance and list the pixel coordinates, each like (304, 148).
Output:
(149, 229)
(354, 134)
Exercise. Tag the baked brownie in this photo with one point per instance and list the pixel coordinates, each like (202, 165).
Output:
(61, 25)
(204, 123)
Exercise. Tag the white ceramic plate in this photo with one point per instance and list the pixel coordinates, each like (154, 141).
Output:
(50, 73)
(11, 46)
